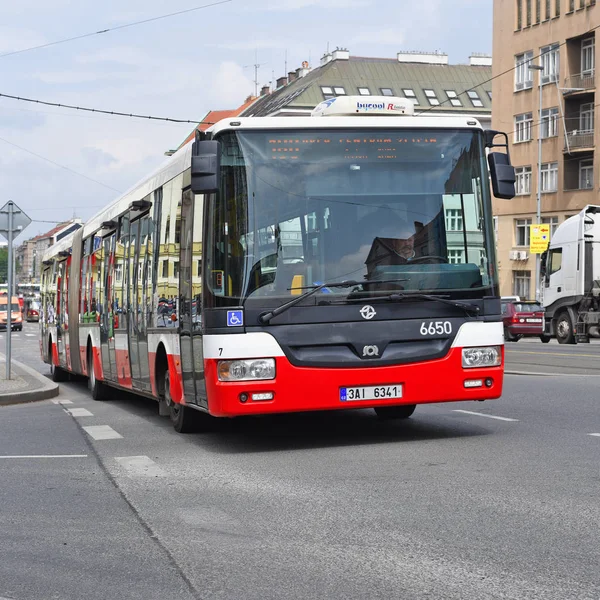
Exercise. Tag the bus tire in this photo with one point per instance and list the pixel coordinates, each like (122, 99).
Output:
(184, 418)
(58, 374)
(97, 389)
(395, 412)
(564, 328)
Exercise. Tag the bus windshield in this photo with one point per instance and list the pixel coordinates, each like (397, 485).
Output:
(303, 207)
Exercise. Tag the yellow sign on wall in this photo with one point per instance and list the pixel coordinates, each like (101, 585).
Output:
(539, 238)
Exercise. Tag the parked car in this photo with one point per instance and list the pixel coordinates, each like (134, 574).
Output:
(16, 316)
(32, 311)
(522, 319)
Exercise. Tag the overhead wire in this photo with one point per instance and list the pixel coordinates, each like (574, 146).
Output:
(117, 27)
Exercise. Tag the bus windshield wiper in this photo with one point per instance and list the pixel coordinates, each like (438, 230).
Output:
(266, 317)
(469, 308)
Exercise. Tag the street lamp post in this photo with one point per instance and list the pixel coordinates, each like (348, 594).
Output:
(538, 215)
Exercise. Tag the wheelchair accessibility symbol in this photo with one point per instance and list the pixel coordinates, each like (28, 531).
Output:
(235, 318)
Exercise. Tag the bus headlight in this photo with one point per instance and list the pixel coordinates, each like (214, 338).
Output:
(246, 370)
(487, 356)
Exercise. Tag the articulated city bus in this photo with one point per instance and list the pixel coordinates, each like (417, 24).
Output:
(343, 260)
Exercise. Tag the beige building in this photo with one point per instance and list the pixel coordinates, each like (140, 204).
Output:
(559, 37)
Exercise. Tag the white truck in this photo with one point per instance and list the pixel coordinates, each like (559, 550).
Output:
(570, 279)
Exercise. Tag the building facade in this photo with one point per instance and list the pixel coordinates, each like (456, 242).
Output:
(544, 89)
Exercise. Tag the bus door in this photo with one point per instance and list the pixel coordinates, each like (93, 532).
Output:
(133, 300)
(190, 313)
(121, 303)
(140, 299)
(107, 321)
(61, 314)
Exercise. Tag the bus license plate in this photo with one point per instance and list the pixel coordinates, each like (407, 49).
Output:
(533, 320)
(371, 392)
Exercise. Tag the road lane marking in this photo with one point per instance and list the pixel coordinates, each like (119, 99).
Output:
(594, 434)
(31, 335)
(574, 354)
(102, 432)
(80, 412)
(470, 412)
(61, 401)
(142, 466)
(44, 456)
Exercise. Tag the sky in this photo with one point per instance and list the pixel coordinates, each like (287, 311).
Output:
(179, 67)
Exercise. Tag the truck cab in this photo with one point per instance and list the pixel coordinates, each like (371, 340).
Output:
(570, 272)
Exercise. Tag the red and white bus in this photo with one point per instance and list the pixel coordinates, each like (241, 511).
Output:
(343, 260)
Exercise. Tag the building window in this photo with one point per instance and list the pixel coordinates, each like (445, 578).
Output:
(549, 177)
(332, 91)
(430, 94)
(176, 269)
(519, 14)
(489, 93)
(588, 59)
(364, 91)
(409, 93)
(549, 125)
(549, 55)
(523, 127)
(522, 232)
(521, 284)
(528, 12)
(557, 8)
(552, 221)
(586, 174)
(453, 97)
(586, 118)
(523, 181)
(387, 92)
(456, 257)
(523, 74)
(538, 11)
(165, 268)
(571, 5)
(475, 99)
(454, 219)
(199, 268)
(548, 8)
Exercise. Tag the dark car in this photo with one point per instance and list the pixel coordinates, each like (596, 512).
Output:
(522, 319)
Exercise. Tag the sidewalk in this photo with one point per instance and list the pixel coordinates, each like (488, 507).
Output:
(25, 384)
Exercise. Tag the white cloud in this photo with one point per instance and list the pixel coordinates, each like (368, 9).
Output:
(232, 84)
(289, 5)
(389, 36)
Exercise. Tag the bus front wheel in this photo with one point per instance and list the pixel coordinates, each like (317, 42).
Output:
(395, 412)
(184, 418)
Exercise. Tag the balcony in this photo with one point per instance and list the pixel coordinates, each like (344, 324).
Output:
(579, 83)
(579, 141)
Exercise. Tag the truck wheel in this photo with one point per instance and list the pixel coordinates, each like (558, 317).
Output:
(564, 329)
(395, 412)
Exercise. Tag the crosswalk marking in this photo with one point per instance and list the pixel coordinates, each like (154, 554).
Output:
(102, 432)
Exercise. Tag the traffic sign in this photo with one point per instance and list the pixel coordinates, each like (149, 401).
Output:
(19, 220)
(539, 238)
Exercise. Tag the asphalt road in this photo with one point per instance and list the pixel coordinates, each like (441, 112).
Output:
(486, 500)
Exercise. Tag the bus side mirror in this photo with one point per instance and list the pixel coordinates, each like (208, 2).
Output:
(206, 162)
(502, 174)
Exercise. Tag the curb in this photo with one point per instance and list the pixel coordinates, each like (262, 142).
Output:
(48, 388)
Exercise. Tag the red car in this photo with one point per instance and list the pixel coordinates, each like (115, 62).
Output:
(522, 319)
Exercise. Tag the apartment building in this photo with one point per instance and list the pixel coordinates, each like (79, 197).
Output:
(544, 58)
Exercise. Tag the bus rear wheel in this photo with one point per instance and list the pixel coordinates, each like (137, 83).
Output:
(395, 412)
(184, 418)
(97, 388)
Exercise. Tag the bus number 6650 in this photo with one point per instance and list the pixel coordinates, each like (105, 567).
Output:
(436, 328)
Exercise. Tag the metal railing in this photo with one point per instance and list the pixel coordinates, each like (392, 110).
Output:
(579, 139)
(580, 82)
